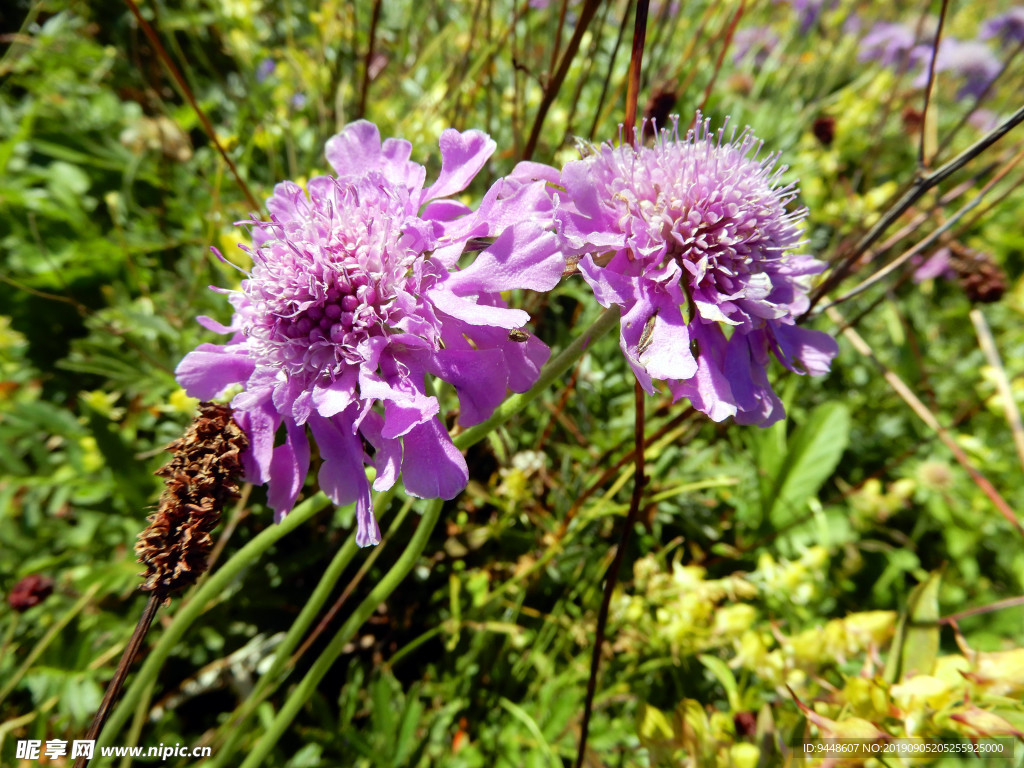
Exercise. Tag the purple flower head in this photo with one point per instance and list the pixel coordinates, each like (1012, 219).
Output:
(690, 239)
(936, 265)
(265, 69)
(969, 59)
(1008, 27)
(888, 44)
(355, 296)
(760, 41)
(808, 11)
(983, 120)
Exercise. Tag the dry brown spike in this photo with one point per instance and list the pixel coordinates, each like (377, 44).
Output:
(199, 479)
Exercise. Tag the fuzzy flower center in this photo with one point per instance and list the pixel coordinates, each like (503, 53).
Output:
(328, 280)
(713, 208)
(709, 209)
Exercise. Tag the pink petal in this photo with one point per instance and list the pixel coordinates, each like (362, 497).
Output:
(476, 314)
(432, 467)
(479, 377)
(523, 256)
(342, 476)
(462, 157)
(288, 470)
(209, 369)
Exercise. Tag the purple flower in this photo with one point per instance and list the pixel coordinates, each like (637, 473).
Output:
(355, 296)
(971, 60)
(983, 120)
(888, 44)
(936, 265)
(265, 70)
(760, 41)
(808, 11)
(690, 238)
(1008, 27)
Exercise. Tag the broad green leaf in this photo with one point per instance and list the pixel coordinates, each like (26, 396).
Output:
(811, 455)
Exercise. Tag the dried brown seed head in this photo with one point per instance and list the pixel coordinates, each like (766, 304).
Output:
(199, 479)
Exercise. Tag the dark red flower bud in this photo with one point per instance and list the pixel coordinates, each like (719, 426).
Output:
(824, 129)
(29, 592)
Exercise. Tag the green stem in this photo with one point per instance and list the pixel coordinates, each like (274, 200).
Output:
(554, 369)
(138, 721)
(190, 611)
(385, 587)
(272, 678)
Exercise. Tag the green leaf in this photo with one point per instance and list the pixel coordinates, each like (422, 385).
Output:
(544, 752)
(724, 675)
(406, 742)
(811, 455)
(916, 646)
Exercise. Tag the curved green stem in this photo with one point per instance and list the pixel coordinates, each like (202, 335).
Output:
(385, 587)
(191, 610)
(555, 368)
(214, 586)
(272, 678)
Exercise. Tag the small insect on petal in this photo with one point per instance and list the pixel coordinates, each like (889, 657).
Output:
(518, 335)
(645, 337)
(571, 266)
(475, 244)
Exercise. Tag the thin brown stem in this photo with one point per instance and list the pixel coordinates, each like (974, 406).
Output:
(598, 107)
(979, 99)
(1009, 602)
(364, 88)
(612, 577)
(922, 158)
(919, 247)
(584, 78)
(552, 87)
(993, 203)
(558, 36)
(568, 391)
(991, 351)
(937, 235)
(335, 609)
(635, 62)
(121, 673)
(613, 469)
(915, 192)
(161, 52)
(721, 57)
(922, 412)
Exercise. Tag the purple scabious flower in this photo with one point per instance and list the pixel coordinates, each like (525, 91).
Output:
(1008, 27)
(265, 69)
(808, 11)
(691, 239)
(760, 41)
(355, 296)
(969, 59)
(889, 44)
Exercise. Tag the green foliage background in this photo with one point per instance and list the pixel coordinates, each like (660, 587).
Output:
(763, 595)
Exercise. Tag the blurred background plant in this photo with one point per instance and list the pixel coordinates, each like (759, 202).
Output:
(773, 567)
